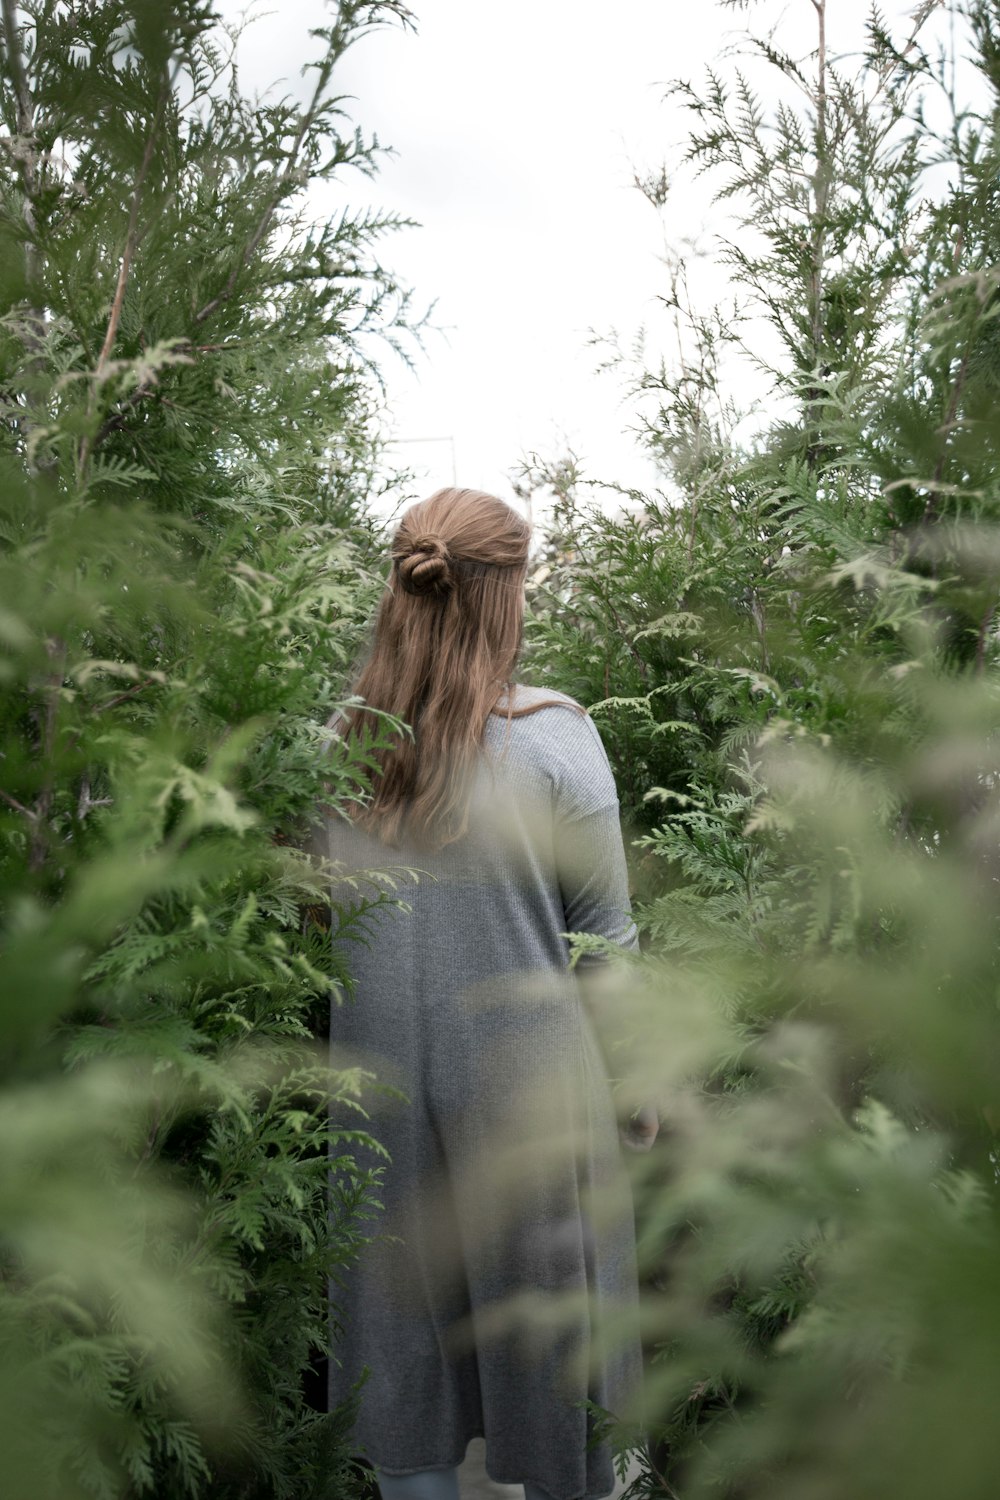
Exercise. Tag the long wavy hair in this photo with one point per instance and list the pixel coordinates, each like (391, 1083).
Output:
(447, 637)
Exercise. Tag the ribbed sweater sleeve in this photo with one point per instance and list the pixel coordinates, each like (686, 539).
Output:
(590, 855)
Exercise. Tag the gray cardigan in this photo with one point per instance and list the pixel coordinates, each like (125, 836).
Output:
(505, 1254)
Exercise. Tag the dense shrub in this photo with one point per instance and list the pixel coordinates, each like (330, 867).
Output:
(188, 438)
(792, 652)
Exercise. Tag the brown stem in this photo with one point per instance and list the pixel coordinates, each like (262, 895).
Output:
(131, 235)
(128, 254)
(661, 1478)
(693, 528)
(760, 620)
(17, 806)
(151, 1142)
(140, 687)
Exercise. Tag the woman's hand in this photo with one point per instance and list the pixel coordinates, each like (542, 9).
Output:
(642, 1128)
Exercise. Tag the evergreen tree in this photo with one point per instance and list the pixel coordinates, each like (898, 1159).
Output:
(188, 437)
(792, 653)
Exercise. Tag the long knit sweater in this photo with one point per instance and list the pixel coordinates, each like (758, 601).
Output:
(498, 1295)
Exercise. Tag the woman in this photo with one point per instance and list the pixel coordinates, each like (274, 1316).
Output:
(505, 1253)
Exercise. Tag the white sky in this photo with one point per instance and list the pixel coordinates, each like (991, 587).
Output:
(517, 127)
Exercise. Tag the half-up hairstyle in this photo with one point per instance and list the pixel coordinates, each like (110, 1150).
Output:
(447, 636)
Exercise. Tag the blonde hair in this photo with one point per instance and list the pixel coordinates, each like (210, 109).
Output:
(447, 637)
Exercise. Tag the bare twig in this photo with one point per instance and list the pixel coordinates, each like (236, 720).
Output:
(85, 801)
(101, 708)
(18, 807)
(152, 1140)
(661, 1479)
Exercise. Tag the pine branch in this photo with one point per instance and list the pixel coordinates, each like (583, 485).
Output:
(116, 420)
(131, 237)
(128, 254)
(281, 183)
(250, 249)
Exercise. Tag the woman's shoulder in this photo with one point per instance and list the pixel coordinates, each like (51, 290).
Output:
(550, 722)
(522, 701)
(556, 734)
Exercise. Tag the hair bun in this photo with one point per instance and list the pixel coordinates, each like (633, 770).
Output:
(425, 568)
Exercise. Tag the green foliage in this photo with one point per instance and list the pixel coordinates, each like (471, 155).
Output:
(791, 651)
(188, 434)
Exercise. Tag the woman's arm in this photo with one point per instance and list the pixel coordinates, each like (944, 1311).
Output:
(593, 882)
(593, 878)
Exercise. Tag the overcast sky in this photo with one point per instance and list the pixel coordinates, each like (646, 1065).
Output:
(518, 127)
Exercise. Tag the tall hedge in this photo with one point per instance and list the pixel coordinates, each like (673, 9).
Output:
(188, 434)
(792, 650)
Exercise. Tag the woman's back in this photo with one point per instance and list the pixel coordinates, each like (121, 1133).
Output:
(466, 1004)
(506, 1241)
(541, 857)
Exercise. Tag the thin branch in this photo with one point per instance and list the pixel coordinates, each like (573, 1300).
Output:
(128, 254)
(116, 420)
(281, 183)
(101, 708)
(17, 806)
(919, 17)
(132, 233)
(85, 801)
(661, 1479)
